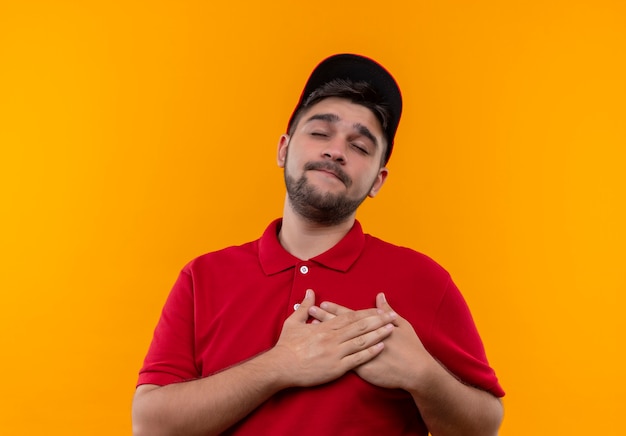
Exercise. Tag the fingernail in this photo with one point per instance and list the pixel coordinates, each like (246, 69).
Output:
(307, 294)
(382, 294)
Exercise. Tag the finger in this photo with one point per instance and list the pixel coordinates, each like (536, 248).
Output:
(334, 308)
(320, 314)
(301, 312)
(329, 310)
(363, 356)
(369, 339)
(352, 325)
(365, 347)
(383, 304)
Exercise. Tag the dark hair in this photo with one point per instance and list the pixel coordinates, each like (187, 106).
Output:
(361, 93)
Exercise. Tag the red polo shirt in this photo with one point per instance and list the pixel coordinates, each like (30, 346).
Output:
(230, 305)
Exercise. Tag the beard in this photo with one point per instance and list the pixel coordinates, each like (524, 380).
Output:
(320, 208)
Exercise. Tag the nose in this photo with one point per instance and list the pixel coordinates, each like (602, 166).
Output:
(335, 150)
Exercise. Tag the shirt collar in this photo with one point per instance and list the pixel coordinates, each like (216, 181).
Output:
(274, 258)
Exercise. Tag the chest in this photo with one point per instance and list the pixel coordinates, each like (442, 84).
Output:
(239, 311)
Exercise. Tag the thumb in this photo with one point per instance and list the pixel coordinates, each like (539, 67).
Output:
(301, 311)
(381, 302)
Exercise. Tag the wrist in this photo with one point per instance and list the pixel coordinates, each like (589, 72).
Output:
(425, 376)
(277, 372)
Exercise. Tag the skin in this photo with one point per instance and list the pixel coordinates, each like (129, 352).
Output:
(338, 142)
(377, 343)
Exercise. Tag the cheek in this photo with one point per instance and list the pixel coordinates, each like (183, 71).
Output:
(370, 181)
(290, 166)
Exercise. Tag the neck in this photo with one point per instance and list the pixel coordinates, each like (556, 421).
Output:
(305, 239)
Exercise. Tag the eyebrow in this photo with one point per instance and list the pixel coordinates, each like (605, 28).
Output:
(333, 118)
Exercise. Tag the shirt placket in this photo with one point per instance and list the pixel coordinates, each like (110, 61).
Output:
(303, 280)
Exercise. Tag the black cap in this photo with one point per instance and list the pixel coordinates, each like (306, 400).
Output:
(357, 69)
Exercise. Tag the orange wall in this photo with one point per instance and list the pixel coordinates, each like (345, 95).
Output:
(137, 135)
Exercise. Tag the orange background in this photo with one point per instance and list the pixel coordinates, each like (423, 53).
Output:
(137, 135)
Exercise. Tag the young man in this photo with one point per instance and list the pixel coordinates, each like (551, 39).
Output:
(317, 328)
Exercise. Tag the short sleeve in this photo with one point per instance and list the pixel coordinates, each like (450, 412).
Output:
(456, 343)
(170, 358)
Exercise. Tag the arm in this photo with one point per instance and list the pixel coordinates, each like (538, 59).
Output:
(448, 406)
(208, 405)
(305, 355)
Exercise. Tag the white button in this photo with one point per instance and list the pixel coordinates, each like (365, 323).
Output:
(295, 306)
(304, 269)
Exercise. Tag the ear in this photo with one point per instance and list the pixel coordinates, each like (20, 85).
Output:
(383, 172)
(281, 156)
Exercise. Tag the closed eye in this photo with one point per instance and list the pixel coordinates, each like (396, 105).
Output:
(360, 148)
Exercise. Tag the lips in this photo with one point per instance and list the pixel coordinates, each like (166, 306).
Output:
(330, 168)
(328, 172)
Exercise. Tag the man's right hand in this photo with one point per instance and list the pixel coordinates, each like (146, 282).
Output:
(307, 354)
(310, 354)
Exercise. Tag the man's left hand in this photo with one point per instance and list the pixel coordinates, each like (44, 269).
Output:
(404, 358)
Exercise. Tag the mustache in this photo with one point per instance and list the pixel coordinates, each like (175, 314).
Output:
(331, 167)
